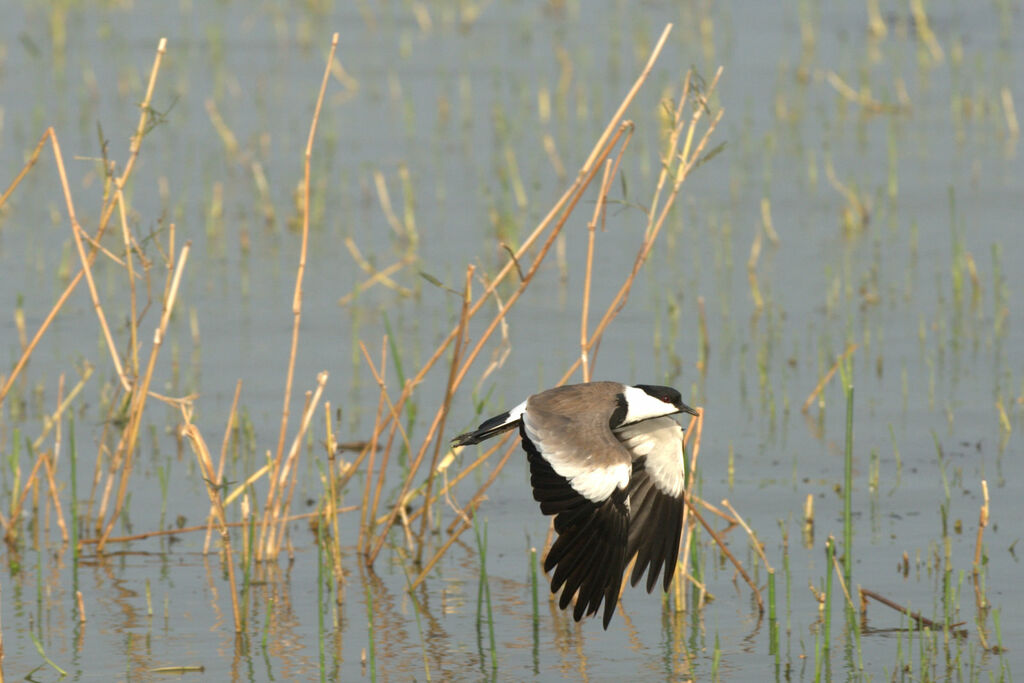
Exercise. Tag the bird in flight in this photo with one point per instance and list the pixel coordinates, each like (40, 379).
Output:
(606, 459)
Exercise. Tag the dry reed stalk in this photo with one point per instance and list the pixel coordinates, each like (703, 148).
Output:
(732, 521)
(727, 553)
(228, 428)
(287, 476)
(300, 272)
(839, 575)
(396, 427)
(381, 276)
(397, 509)
(539, 258)
(916, 616)
(385, 204)
(564, 208)
(126, 447)
(808, 530)
(51, 466)
(202, 527)
(685, 160)
(55, 496)
(332, 506)
(463, 473)
(499, 318)
(583, 178)
(133, 328)
(678, 585)
(50, 134)
(76, 232)
(694, 429)
(979, 597)
(599, 214)
(753, 537)
(461, 340)
(32, 160)
(828, 375)
(375, 437)
(213, 488)
(469, 510)
(18, 503)
(54, 419)
(278, 467)
(1, 654)
(1009, 112)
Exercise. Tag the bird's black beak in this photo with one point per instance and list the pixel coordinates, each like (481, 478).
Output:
(683, 408)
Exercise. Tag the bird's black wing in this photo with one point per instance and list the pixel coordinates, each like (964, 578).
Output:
(655, 498)
(589, 555)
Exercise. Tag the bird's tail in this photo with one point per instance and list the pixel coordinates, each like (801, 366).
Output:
(492, 427)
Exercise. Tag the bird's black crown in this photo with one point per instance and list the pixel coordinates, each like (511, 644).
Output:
(666, 394)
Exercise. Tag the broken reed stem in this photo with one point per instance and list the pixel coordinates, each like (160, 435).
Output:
(126, 447)
(228, 428)
(50, 134)
(461, 340)
(714, 510)
(979, 596)
(300, 272)
(750, 532)
(727, 553)
(916, 616)
(828, 375)
(213, 489)
(839, 573)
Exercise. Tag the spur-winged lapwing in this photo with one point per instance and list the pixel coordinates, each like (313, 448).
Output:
(607, 461)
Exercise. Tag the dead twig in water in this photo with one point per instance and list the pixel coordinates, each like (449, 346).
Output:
(916, 616)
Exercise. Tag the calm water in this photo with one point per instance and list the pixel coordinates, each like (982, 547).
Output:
(928, 286)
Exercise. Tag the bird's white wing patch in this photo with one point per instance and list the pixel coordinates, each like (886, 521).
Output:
(592, 481)
(661, 441)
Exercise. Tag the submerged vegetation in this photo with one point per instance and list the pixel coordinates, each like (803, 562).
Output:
(372, 476)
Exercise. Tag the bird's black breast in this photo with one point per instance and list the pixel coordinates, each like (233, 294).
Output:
(619, 414)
